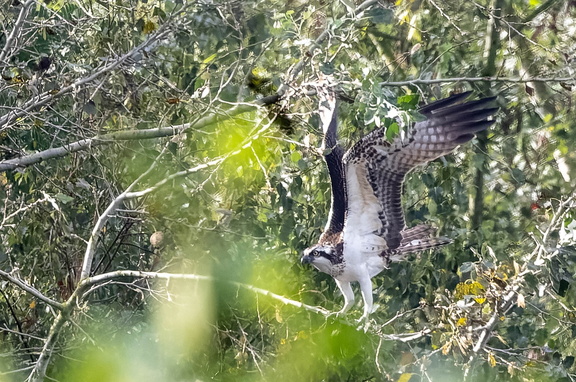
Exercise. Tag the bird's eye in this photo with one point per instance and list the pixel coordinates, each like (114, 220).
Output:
(315, 253)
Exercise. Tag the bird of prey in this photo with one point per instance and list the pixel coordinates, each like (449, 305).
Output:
(366, 230)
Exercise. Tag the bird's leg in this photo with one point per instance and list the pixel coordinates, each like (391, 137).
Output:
(348, 294)
(366, 289)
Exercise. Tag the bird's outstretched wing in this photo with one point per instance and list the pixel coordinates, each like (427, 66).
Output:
(375, 169)
(333, 154)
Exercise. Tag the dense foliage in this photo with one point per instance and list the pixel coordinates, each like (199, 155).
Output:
(180, 139)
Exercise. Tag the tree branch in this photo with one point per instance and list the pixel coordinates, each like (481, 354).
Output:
(84, 144)
(420, 81)
(86, 285)
(128, 135)
(543, 7)
(99, 279)
(11, 40)
(30, 289)
(476, 191)
(215, 162)
(505, 306)
(128, 194)
(39, 371)
(47, 97)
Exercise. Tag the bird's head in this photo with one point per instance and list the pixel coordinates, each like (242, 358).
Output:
(321, 256)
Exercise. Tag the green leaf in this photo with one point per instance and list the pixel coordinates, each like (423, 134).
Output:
(295, 156)
(432, 207)
(392, 131)
(327, 68)
(541, 337)
(209, 59)
(408, 101)
(64, 198)
(518, 176)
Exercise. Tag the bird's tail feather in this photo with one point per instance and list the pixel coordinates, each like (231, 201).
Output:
(423, 244)
(420, 231)
(417, 239)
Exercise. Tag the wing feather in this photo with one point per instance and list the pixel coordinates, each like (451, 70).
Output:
(421, 231)
(333, 157)
(375, 169)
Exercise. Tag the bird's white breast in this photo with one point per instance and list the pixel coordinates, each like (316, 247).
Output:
(362, 257)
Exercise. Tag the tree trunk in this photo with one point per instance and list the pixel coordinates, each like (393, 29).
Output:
(476, 195)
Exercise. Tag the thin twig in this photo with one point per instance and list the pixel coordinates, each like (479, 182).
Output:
(315, 44)
(443, 14)
(47, 97)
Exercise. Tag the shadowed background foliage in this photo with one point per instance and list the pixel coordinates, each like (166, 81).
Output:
(77, 70)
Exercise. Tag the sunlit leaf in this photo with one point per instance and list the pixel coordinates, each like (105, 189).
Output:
(149, 26)
(404, 377)
(210, 58)
(491, 359)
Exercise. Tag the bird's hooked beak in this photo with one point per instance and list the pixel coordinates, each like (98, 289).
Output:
(306, 259)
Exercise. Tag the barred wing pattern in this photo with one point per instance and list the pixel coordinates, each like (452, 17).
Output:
(375, 169)
(333, 157)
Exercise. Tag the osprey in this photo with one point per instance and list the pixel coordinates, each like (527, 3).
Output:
(366, 230)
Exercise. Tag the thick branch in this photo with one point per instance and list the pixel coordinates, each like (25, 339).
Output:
(30, 289)
(99, 279)
(476, 194)
(141, 134)
(522, 80)
(39, 371)
(99, 140)
(130, 135)
(11, 41)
